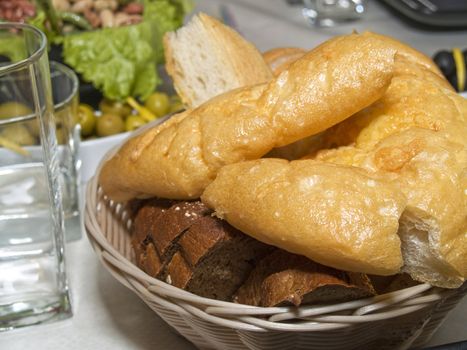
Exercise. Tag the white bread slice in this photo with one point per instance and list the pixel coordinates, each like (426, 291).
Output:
(206, 58)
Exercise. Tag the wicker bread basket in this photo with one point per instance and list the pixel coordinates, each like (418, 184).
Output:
(398, 320)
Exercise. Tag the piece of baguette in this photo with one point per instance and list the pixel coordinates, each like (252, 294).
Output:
(206, 58)
(430, 169)
(179, 158)
(335, 215)
(279, 59)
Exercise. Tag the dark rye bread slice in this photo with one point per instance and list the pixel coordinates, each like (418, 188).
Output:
(157, 227)
(145, 219)
(283, 278)
(214, 259)
(181, 243)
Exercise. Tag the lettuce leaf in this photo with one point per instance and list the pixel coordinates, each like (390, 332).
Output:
(12, 47)
(122, 61)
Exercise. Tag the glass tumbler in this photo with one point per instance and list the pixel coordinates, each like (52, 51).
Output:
(33, 284)
(328, 13)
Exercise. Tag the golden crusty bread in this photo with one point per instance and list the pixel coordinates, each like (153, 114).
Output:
(430, 169)
(279, 59)
(180, 158)
(336, 215)
(416, 135)
(409, 101)
(206, 58)
(412, 71)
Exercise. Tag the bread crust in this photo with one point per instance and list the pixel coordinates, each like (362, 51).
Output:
(282, 278)
(416, 136)
(279, 59)
(410, 136)
(327, 85)
(335, 215)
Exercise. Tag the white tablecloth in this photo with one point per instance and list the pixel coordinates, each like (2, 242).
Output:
(106, 314)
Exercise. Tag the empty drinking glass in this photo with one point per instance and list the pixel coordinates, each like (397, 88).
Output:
(327, 13)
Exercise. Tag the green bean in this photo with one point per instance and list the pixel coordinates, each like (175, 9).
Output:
(51, 14)
(75, 19)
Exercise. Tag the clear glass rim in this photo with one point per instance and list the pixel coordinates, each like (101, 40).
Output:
(36, 55)
(72, 76)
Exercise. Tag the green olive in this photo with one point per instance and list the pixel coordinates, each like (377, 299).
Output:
(158, 103)
(86, 119)
(13, 109)
(133, 122)
(176, 107)
(114, 107)
(109, 124)
(33, 127)
(60, 133)
(18, 134)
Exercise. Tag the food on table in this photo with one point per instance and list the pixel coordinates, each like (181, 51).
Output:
(231, 61)
(86, 119)
(103, 13)
(382, 189)
(176, 105)
(17, 10)
(113, 117)
(133, 71)
(13, 109)
(145, 113)
(13, 136)
(133, 122)
(19, 134)
(109, 124)
(115, 45)
(280, 59)
(115, 107)
(158, 103)
(253, 125)
(196, 251)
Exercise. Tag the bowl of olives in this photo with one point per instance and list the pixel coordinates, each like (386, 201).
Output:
(106, 126)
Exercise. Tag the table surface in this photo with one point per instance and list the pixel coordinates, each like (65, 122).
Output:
(106, 314)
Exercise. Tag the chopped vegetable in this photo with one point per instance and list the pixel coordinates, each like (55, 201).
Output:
(145, 113)
(13, 146)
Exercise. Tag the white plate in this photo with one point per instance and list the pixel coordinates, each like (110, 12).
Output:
(92, 151)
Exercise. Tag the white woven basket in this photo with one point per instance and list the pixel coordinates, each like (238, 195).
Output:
(398, 320)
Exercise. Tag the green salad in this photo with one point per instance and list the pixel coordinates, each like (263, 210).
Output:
(114, 44)
(122, 61)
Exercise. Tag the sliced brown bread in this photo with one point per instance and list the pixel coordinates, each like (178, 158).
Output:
(157, 228)
(214, 259)
(147, 214)
(179, 242)
(283, 278)
(184, 245)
